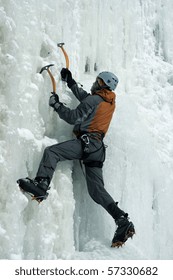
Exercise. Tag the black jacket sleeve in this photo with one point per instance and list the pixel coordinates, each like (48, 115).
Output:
(79, 92)
(75, 116)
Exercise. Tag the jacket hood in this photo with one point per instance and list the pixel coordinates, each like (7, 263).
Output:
(107, 95)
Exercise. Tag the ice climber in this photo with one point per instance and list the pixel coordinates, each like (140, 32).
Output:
(91, 120)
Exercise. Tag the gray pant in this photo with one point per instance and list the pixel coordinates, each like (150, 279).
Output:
(71, 150)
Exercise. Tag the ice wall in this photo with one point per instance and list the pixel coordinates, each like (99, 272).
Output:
(135, 42)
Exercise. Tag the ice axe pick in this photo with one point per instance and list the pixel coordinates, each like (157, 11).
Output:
(50, 74)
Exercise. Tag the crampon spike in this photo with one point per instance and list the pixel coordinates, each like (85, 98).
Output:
(117, 244)
(39, 199)
(121, 243)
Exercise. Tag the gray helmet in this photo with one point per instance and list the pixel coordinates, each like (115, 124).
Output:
(109, 79)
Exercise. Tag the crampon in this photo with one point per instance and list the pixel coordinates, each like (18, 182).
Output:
(39, 199)
(122, 233)
(31, 187)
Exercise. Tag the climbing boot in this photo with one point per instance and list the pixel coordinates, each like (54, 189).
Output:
(37, 188)
(124, 230)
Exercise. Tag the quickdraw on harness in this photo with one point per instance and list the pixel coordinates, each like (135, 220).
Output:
(85, 143)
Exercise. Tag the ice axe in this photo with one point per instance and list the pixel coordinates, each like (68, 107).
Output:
(60, 45)
(50, 74)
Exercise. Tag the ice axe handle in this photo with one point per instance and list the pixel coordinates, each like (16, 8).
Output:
(60, 45)
(50, 74)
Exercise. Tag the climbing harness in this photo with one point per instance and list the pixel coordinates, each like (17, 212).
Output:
(85, 140)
